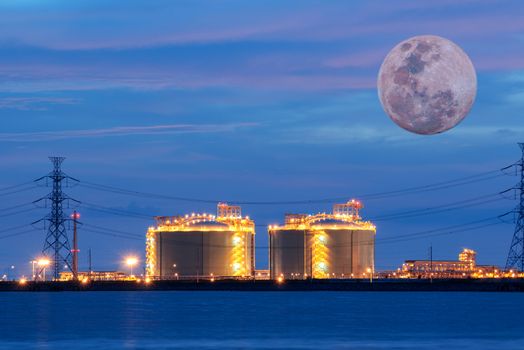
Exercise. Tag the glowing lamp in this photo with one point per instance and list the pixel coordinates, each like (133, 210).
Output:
(43, 262)
(131, 261)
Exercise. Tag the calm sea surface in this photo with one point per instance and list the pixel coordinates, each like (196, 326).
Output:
(236, 320)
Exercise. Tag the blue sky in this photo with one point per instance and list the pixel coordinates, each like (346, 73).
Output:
(254, 101)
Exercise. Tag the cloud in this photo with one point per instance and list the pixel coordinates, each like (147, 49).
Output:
(106, 26)
(122, 131)
(358, 59)
(311, 47)
(111, 77)
(34, 103)
(340, 134)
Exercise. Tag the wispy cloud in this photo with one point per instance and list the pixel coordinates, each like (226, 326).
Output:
(112, 77)
(361, 134)
(123, 131)
(337, 45)
(358, 59)
(34, 103)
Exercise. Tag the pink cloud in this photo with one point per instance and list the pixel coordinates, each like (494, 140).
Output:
(123, 131)
(358, 59)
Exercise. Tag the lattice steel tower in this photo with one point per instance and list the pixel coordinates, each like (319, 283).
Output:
(56, 246)
(516, 251)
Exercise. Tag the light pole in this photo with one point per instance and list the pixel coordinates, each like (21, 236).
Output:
(43, 263)
(33, 262)
(370, 275)
(75, 216)
(131, 262)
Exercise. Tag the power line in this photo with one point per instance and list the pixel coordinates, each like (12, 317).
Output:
(15, 207)
(457, 228)
(113, 230)
(437, 233)
(471, 202)
(426, 188)
(434, 210)
(16, 234)
(113, 234)
(17, 212)
(378, 195)
(13, 228)
(16, 186)
(17, 191)
(115, 211)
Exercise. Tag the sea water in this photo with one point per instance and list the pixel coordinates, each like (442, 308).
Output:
(257, 320)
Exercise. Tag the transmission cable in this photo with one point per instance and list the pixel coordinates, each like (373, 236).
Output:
(15, 207)
(464, 227)
(16, 234)
(471, 202)
(16, 186)
(2, 194)
(17, 212)
(412, 190)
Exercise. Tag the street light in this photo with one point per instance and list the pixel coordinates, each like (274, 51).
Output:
(370, 275)
(33, 262)
(43, 263)
(131, 262)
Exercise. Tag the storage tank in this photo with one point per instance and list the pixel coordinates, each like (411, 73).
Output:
(336, 245)
(332, 248)
(201, 245)
(363, 251)
(288, 253)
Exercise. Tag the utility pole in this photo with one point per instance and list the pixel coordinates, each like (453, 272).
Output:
(431, 262)
(90, 263)
(75, 250)
(56, 246)
(516, 251)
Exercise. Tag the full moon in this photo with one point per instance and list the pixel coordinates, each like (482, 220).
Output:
(427, 84)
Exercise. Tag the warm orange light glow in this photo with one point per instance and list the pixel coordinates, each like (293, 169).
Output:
(232, 221)
(131, 261)
(22, 281)
(43, 262)
(320, 256)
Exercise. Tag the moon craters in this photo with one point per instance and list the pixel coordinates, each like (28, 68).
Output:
(427, 84)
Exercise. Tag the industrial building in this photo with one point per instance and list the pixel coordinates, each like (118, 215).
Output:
(465, 266)
(201, 245)
(95, 276)
(336, 245)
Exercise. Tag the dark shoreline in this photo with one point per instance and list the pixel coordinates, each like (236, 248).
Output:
(379, 285)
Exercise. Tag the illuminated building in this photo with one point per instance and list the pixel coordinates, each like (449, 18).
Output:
(465, 267)
(201, 245)
(337, 245)
(95, 276)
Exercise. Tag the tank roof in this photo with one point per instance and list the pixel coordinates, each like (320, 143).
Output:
(329, 221)
(209, 223)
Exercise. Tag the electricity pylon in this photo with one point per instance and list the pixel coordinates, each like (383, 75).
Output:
(56, 246)
(516, 251)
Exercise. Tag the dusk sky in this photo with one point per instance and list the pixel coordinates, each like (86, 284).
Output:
(250, 101)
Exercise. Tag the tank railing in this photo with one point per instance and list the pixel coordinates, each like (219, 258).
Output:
(229, 211)
(201, 278)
